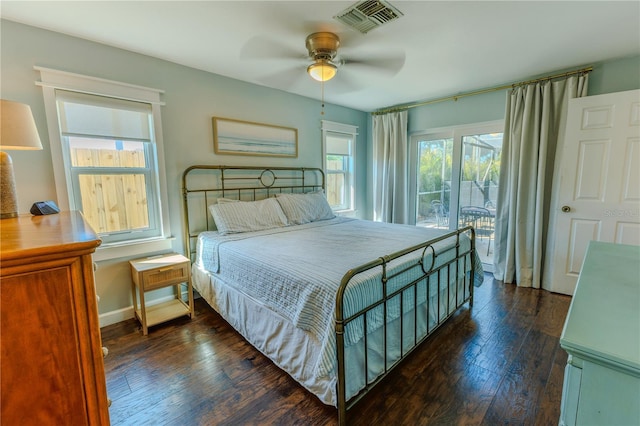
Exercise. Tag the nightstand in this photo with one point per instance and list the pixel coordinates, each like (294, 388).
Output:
(152, 273)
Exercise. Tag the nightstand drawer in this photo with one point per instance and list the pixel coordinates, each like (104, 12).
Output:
(162, 277)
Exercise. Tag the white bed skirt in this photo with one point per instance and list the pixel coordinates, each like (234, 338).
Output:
(296, 351)
(290, 348)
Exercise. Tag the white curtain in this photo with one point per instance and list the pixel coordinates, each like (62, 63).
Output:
(535, 118)
(390, 167)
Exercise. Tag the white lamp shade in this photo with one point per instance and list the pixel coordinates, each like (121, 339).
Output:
(18, 128)
(322, 70)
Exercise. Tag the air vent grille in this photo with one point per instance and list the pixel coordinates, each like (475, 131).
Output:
(368, 14)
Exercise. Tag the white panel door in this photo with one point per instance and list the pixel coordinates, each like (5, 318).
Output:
(599, 196)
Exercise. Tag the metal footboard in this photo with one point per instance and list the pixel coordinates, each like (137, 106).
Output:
(456, 270)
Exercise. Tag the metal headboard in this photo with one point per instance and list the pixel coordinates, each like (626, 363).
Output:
(202, 185)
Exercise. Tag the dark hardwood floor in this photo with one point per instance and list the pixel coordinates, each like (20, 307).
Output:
(498, 363)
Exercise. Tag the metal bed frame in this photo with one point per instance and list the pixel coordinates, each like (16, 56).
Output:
(203, 184)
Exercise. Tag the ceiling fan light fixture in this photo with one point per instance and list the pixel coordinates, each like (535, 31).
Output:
(322, 70)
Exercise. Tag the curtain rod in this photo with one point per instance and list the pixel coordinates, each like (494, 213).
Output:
(482, 91)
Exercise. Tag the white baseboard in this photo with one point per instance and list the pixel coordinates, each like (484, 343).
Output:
(123, 314)
(116, 316)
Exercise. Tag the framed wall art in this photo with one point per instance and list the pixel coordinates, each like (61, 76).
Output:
(247, 138)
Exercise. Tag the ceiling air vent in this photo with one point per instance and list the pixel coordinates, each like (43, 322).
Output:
(368, 14)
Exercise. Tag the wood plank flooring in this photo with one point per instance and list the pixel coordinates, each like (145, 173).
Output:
(498, 363)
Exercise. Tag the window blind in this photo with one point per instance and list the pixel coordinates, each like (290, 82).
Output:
(338, 144)
(83, 114)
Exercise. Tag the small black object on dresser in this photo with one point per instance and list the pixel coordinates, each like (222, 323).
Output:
(40, 208)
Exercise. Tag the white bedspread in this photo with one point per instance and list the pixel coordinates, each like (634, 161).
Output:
(296, 270)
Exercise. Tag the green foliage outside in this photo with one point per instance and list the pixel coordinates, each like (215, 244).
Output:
(434, 175)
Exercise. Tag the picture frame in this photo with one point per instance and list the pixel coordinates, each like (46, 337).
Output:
(239, 137)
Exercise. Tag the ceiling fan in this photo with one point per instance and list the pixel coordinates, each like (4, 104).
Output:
(323, 48)
(325, 51)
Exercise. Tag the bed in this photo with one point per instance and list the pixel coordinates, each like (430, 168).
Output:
(335, 302)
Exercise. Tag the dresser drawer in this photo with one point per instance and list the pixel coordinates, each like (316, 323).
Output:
(162, 277)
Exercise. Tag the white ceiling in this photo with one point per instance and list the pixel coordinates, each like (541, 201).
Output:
(440, 48)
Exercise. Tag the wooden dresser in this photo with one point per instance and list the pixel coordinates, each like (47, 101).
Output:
(602, 337)
(51, 366)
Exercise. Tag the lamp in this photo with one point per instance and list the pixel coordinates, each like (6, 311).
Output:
(17, 131)
(322, 70)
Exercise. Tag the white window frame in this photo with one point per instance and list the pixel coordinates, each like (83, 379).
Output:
(329, 127)
(50, 80)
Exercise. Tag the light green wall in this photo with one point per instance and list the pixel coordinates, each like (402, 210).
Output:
(192, 97)
(615, 76)
(472, 109)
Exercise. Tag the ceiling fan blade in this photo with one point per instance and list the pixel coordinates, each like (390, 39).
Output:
(284, 79)
(263, 48)
(344, 82)
(387, 66)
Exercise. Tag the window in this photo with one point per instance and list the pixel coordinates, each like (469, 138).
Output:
(339, 158)
(455, 177)
(108, 147)
(106, 156)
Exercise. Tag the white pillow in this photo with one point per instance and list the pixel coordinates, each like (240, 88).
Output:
(245, 216)
(305, 208)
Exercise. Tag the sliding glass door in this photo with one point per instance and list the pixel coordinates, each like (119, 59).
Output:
(455, 177)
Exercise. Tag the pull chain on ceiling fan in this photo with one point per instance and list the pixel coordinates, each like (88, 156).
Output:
(323, 48)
